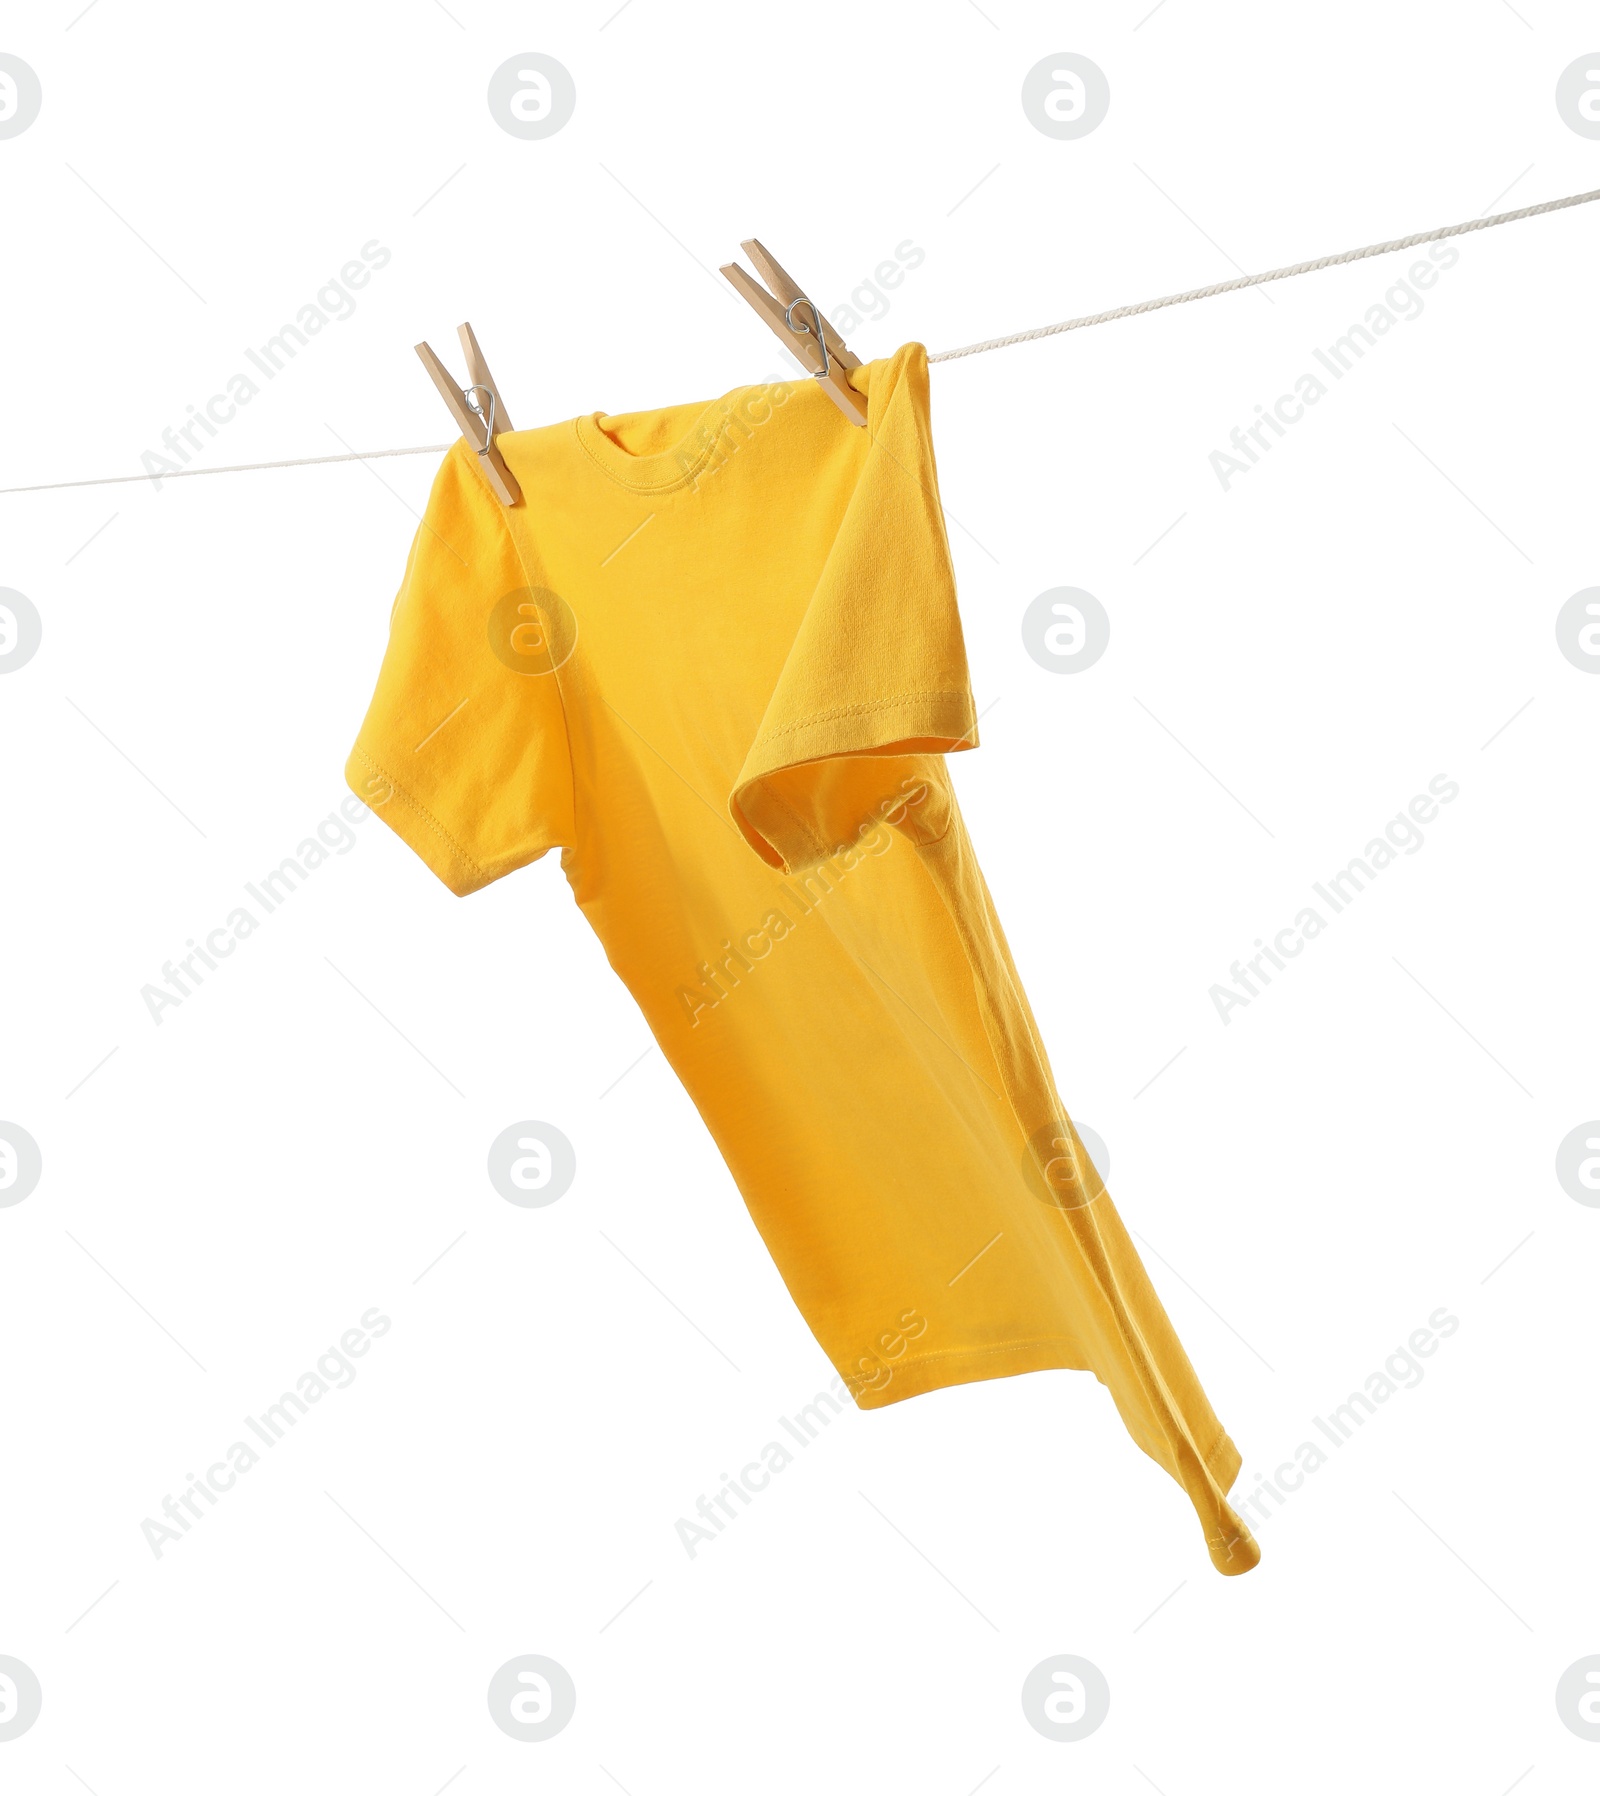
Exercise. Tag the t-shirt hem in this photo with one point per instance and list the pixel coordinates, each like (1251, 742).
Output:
(1006, 1359)
(1232, 1548)
(964, 1365)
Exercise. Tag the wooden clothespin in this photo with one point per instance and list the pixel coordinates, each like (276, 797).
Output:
(800, 326)
(479, 412)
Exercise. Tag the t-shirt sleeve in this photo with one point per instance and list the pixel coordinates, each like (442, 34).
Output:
(875, 687)
(464, 749)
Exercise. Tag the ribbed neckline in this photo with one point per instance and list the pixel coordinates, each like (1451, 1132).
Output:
(668, 468)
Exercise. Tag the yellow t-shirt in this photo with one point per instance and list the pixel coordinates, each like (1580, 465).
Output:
(714, 657)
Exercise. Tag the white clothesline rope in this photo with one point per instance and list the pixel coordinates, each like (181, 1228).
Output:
(946, 355)
(243, 467)
(1276, 274)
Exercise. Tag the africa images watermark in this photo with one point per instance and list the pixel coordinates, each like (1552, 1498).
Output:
(333, 1372)
(1401, 303)
(722, 433)
(332, 304)
(874, 836)
(334, 836)
(1401, 835)
(1401, 1371)
(867, 301)
(713, 445)
(802, 1428)
(873, 1371)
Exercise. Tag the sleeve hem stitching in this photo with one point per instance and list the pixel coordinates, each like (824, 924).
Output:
(890, 703)
(479, 873)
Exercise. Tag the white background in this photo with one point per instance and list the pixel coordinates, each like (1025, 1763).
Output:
(305, 1136)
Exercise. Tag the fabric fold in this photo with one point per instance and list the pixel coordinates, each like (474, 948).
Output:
(877, 667)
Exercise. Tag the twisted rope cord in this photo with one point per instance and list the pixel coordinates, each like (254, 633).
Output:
(946, 355)
(243, 467)
(1276, 274)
